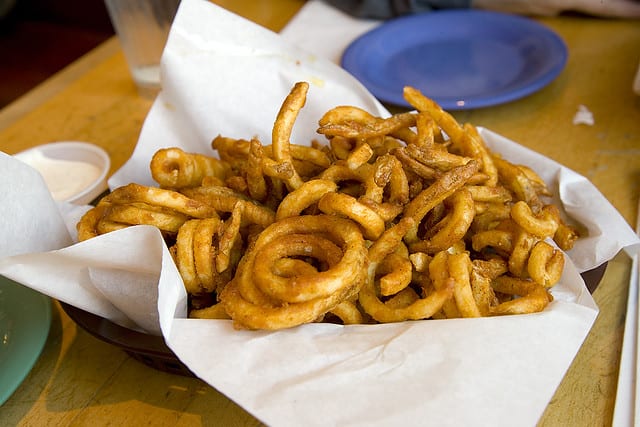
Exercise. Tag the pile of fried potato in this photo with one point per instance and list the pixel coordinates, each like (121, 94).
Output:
(389, 219)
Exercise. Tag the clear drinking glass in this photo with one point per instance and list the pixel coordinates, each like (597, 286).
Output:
(142, 27)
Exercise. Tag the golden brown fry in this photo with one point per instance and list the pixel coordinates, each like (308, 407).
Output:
(172, 200)
(87, 227)
(522, 244)
(342, 204)
(396, 273)
(541, 225)
(565, 235)
(256, 183)
(532, 297)
(436, 158)
(174, 168)
(359, 156)
(459, 266)
(414, 166)
(353, 122)
(252, 308)
(184, 257)
(282, 130)
(229, 240)
(299, 287)
(306, 195)
(485, 193)
(169, 222)
(204, 253)
(545, 264)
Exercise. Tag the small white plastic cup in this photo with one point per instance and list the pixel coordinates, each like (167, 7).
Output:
(142, 27)
(75, 172)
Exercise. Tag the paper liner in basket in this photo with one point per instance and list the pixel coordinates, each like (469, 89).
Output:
(224, 75)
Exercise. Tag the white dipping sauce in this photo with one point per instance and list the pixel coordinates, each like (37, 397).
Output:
(64, 178)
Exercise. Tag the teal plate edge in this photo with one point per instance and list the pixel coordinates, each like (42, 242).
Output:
(25, 320)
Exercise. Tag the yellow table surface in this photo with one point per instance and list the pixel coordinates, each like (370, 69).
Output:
(81, 380)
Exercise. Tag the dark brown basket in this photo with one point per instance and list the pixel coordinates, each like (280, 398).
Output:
(148, 349)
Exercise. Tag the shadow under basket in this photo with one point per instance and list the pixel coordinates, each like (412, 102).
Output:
(154, 352)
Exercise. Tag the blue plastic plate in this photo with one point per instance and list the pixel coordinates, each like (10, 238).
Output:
(462, 59)
(25, 318)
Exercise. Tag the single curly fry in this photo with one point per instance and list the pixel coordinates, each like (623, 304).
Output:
(298, 288)
(161, 198)
(87, 227)
(426, 129)
(229, 240)
(532, 297)
(389, 241)
(354, 122)
(251, 308)
(542, 225)
(414, 166)
(174, 168)
(565, 235)
(254, 175)
(436, 157)
(501, 240)
(342, 204)
(459, 266)
(523, 242)
(310, 154)
(306, 195)
(141, 214)
(359, 156)
(395, 274)
(283, 126)
(485, 193)
(545, 264)
(204, 253)
(535, 180)
(184, 257)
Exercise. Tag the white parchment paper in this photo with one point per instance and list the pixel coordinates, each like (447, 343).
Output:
(225, 75)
